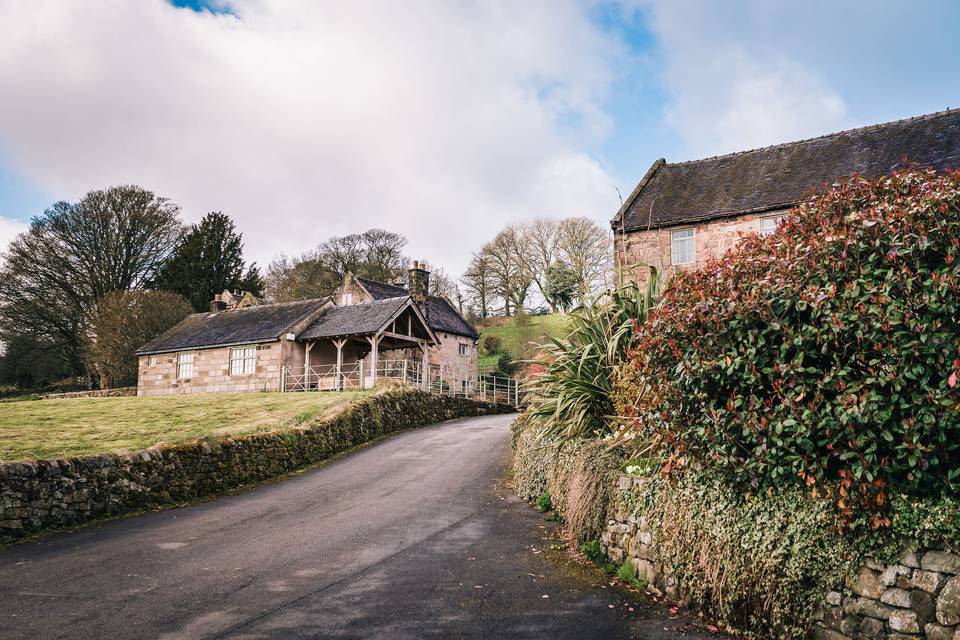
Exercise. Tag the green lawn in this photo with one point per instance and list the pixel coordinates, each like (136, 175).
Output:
(518, 335)
(40, 429)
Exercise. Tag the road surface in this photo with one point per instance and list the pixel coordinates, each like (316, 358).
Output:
(410, 538)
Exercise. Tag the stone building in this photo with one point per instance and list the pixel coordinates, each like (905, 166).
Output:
(681, 214)
(341, 341)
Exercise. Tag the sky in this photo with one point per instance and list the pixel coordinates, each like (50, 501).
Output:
(442, 120)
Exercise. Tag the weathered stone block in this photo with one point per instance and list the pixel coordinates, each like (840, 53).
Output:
(872, 628)
(890, 574)
(823, 633)
(867, 607)
(905, 621)
(867, 583)
(941, 562)
(948, 603)
(834, 598)
(938, 632)
(929, 581)
(910, 559)
(924, 606)
(896, 598)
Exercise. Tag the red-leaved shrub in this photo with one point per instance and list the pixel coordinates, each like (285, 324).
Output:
(827, 353)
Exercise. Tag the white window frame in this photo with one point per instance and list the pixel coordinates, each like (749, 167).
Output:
(464, 349)
(675, 246)
(185, 362)
(152, 361)
(243, 361)
(766, 220)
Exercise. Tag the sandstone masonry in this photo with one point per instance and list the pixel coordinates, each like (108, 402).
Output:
(915, 597)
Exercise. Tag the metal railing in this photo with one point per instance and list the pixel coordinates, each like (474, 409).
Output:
(490, 387)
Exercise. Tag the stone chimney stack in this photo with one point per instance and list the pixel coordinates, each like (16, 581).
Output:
(418, 283)
(218, 303)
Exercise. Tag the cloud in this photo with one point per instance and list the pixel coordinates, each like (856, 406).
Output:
(9, 230)
(732, 81)
(302, 120)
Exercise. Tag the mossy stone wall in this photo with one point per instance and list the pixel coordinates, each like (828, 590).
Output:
(50, 494)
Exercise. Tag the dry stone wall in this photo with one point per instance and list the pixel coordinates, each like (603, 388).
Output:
(916, 597)
(58, 493)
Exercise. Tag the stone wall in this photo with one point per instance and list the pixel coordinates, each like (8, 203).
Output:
(915, 597)
(57, 493)
(636, 250)
(211, 370)
(93, 393)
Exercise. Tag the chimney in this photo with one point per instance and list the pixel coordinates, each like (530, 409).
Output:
(418, 283)
(217, 304)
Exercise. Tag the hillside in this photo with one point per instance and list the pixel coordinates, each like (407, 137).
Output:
(517, 336)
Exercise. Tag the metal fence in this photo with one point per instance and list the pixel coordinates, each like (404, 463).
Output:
(490, 387)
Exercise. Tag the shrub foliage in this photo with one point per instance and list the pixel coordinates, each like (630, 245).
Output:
(827, 353)
(572, 397)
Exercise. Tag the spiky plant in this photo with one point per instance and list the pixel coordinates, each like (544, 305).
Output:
(571, 398)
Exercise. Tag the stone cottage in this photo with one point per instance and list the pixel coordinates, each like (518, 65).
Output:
(342, 341)
(681, 214)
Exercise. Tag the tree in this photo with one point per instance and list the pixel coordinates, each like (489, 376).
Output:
(478, 282)
(74, 254)
(510, 278)
(207, 260)
(30, 364)
(122, 322)
(587, 248)
(561, 286)
(537, 248)
(444, 286)
(374, 254)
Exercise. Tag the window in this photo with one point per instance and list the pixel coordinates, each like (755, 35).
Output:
(464, 349)
(683, 247)
(184, 365)
(243, 360)
(152, 361)
(769, 224)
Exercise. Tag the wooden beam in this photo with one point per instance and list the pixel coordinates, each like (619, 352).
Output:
(400, 336)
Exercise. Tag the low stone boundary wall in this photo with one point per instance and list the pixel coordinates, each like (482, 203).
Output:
(93, 393)
(57, 493)
(916, 597)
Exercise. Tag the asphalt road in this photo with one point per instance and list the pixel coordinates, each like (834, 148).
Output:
(410, 538)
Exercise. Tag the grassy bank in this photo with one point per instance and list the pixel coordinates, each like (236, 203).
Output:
(518, 335)
(31, 430)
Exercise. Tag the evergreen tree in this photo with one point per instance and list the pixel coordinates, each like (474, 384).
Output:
(207, 260)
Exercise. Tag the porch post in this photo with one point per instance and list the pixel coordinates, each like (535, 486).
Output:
(339, 344)
(374, 357)
(306, 364)
(424, 369)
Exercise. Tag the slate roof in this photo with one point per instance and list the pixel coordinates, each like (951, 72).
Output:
(353, 319)
(239, 326)
(441, 315)
(381, 290)
(782, 175)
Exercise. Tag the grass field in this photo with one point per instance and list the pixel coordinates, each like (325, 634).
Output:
(40, 429)
(516, 335)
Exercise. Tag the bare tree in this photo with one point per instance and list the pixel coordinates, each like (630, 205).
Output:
(587, 249)
(76, 253)
(123, 321)
(510, 277)
(446, 287)
(478, 284)
(375, 254)
(536, 250)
